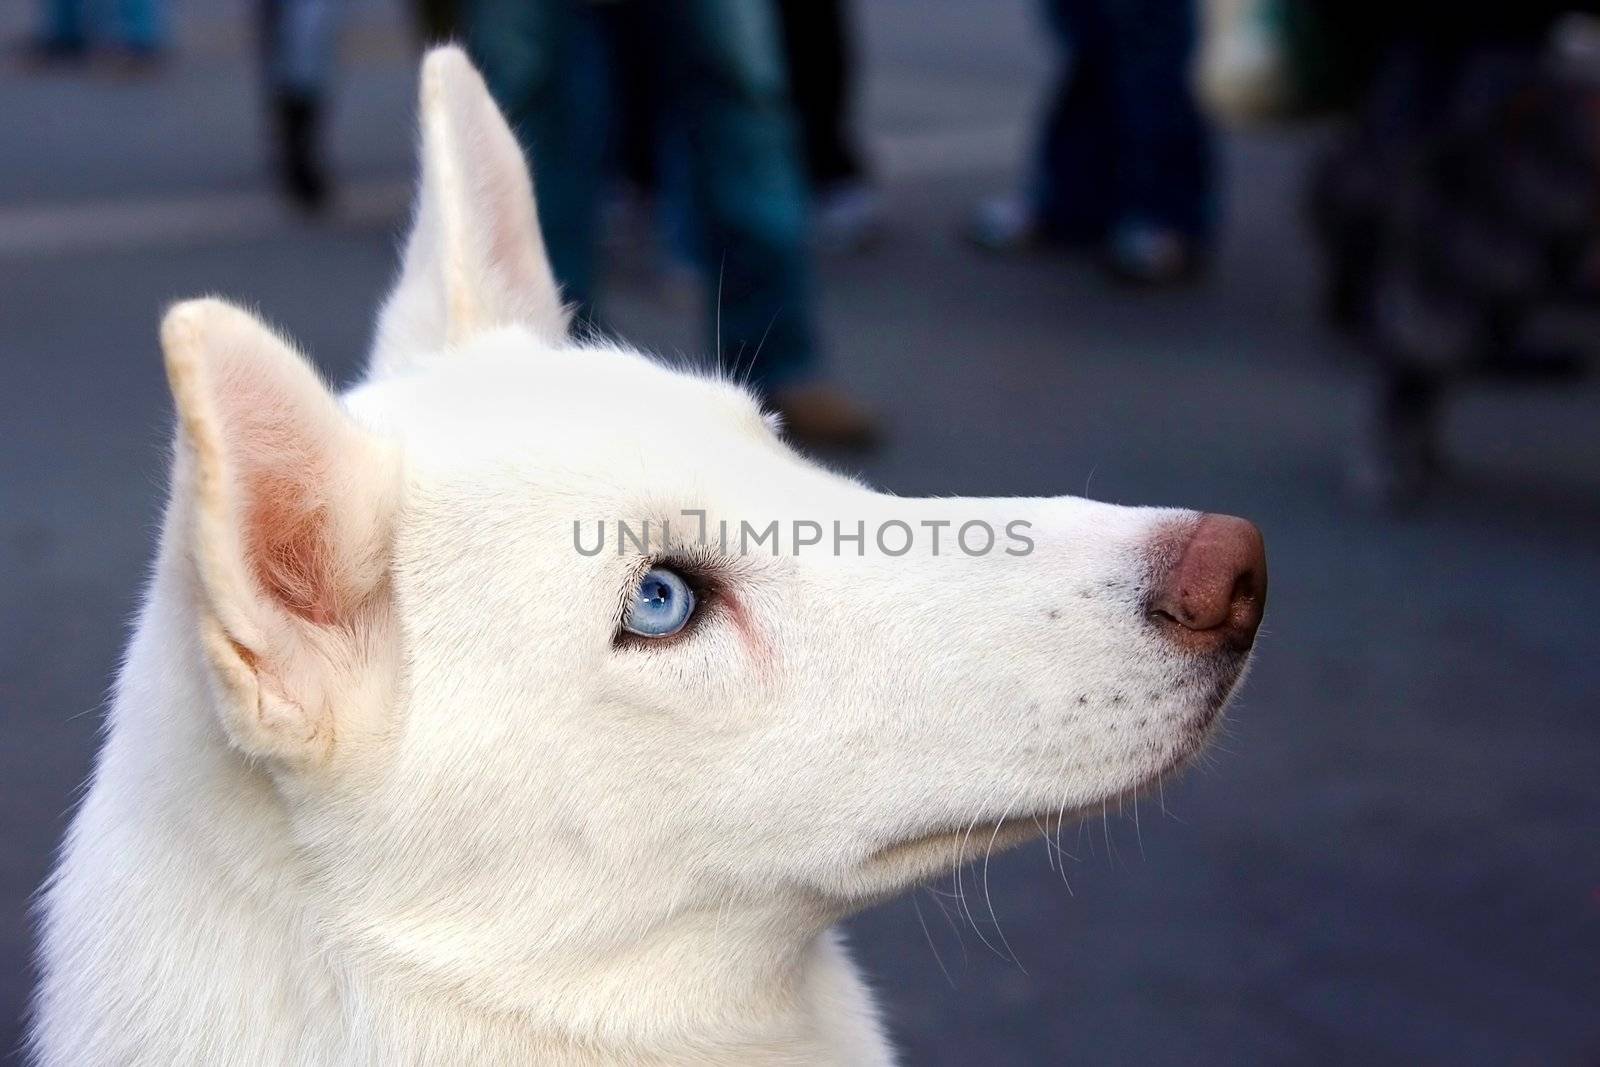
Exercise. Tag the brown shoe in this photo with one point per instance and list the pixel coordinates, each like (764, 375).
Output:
(821, 416)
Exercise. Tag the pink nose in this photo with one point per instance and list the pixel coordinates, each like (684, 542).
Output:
(1214, 588)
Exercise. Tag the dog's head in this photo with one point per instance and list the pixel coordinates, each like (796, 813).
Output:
(507, 713)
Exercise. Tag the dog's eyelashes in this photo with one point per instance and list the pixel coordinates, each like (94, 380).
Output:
(662, 604)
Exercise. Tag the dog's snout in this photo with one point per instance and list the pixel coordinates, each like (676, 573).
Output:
(1209, 590)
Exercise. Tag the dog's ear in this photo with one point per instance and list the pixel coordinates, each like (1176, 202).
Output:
(475, 258)
(286, 506)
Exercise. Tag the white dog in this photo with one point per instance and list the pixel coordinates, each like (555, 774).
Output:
(402, 770)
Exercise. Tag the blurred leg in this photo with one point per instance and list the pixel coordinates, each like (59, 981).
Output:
(299, 39)
(678, 217)
(1072, 185)
(438, 21)
(1163, 173)
(846, 212)
(546, 67)
(61, 25)
(724, 91)
(817, 54)
(141, 24)
(647, 155)
(1396, 458)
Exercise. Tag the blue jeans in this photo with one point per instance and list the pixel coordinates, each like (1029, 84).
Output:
(1123, 141)
(138, 24)
(721, 99)
(299, 39)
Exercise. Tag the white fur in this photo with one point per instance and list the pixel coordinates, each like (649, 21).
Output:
(380, 787)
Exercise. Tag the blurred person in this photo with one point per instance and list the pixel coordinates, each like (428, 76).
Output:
(651, 206)
(1459, 217)
(137, 29)
(299, 39)
(719, 93)
(1123, 159)
(655, 195)
(846, 209)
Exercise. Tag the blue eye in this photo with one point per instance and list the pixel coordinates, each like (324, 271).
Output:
(661, 605)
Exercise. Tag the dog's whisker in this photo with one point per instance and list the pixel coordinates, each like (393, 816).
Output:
(939, 897)
(1137, 832)
(722, 269)
(926, 933)
(1044, 837)
(966, 907)
(754, 359)
(988, 899)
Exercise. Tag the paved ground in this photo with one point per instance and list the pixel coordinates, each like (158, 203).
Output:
(1395, 856)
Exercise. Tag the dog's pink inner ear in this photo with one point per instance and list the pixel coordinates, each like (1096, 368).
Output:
(288, 544)
(282, 456)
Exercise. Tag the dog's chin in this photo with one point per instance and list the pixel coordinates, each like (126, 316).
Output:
(940, 849)
(916, 858)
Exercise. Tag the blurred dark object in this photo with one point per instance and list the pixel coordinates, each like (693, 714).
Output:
(1123, 161)
(1283, 59)
(298, 45)
(70, 29)
(846, 209)
(1460, 220)
(438, 21)
(301, 173)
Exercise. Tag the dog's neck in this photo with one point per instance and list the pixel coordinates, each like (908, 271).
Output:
(190, 902)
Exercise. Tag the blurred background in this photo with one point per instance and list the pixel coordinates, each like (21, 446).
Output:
(1345, 289)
